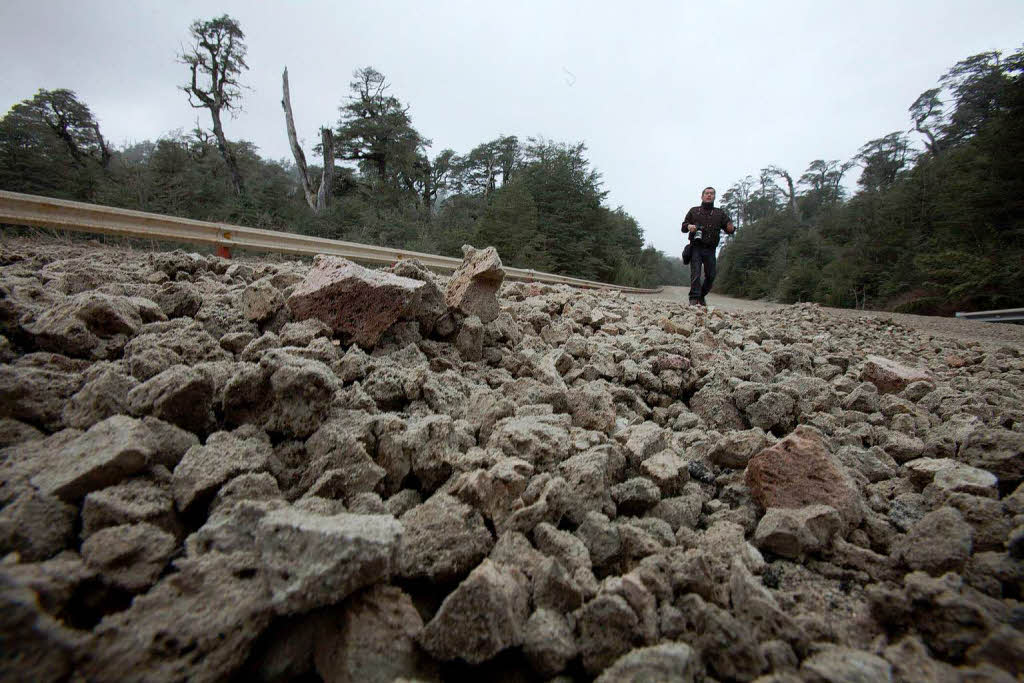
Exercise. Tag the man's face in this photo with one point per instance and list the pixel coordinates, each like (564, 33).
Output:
(708, 196)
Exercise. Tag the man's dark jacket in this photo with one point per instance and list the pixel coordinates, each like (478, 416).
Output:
(712, 220)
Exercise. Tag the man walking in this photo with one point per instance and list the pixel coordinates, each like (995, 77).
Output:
(704, 225)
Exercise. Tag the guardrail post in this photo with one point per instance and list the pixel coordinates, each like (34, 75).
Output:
(223, 252)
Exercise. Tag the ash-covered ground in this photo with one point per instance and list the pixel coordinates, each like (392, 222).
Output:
(266, 470)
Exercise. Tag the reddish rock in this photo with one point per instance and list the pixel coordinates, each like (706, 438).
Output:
(355, 302)
(799, 471)
(889, 376)
(473, 288)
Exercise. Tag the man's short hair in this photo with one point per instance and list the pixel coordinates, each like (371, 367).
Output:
(709, 188)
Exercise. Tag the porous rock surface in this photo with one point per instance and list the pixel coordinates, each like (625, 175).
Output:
(266, 470)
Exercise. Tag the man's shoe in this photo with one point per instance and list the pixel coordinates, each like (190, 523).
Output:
(702, 302)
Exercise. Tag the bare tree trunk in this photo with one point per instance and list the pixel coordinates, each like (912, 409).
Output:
(323, 197)
(225, 151)
(104, 149)
(300, 158)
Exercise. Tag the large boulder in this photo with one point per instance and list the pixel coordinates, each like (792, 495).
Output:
(799, 471)
(356, 302)
(473, 288)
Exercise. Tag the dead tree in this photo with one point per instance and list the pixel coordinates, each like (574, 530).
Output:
(319, 200)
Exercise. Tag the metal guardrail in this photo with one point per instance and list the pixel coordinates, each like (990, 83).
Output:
(26, 209)
(1006, 315)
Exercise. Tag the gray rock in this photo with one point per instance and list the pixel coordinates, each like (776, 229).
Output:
(444, 538)
(845, 665)
(36, 526)
(373, 640)
(474, 285)
(105, 394)
(109, 452)
(159, 346)
(37, 647)
(314, 560)
(635, 496)
(218, 605)
(601, 538)
(668, 471)
(670, 662)
(130, 556)
(87, 325)
(736, 448)
(470, 339)
(548, 642)
(180, 395)
(259, 301)
(554, 588)
(131, 502)
(607, 625)
(284, 394)
(939, 542)
(592, 407)
(483, 616)
(795, 532)
(224, 456)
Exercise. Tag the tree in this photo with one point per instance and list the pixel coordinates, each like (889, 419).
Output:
(882, 158)
(319, 200)
(216, 59)
(928, 117)
(789, 191)
(52, 144)
(375, 130)
(824, 181)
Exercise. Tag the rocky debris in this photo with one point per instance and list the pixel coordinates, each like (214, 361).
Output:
(357, 303)
(199, 483)
(473, 287)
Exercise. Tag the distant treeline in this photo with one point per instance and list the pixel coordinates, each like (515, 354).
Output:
(539, 202)
(929, 230)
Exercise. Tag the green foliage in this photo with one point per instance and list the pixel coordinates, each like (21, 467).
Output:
(540, 204)
(941, 232)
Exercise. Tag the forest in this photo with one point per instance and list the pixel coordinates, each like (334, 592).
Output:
(538, 201)
(936, 223)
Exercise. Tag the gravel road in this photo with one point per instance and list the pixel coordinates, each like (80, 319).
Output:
(951, 328)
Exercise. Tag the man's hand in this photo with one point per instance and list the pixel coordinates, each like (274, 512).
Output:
(693, 228)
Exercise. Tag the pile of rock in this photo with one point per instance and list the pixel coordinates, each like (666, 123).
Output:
(280, 471)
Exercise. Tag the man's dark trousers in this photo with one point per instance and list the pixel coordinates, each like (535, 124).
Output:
(703, 259)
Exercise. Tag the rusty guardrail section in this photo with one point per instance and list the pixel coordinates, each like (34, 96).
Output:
(45, 212)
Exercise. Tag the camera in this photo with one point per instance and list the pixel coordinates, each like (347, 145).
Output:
(698, 234)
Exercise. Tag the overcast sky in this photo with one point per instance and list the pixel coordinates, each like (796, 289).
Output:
(668, 96)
